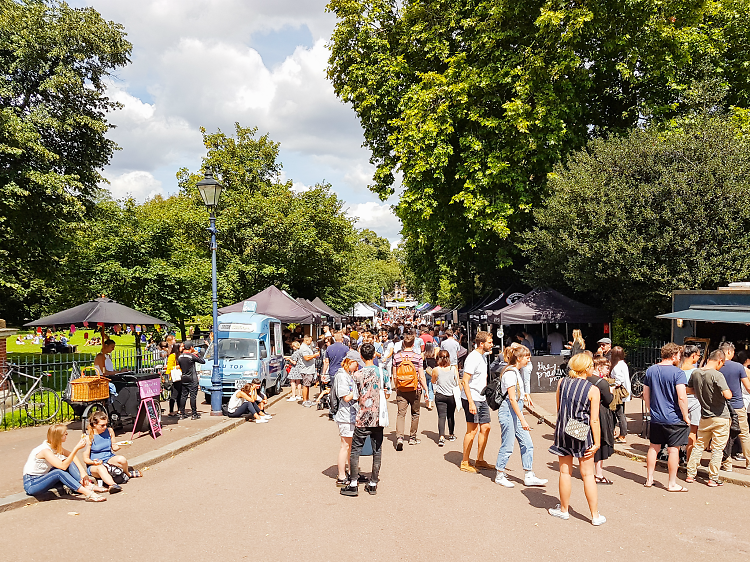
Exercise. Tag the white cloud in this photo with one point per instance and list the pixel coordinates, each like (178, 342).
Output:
(138, 184)
(378, 218)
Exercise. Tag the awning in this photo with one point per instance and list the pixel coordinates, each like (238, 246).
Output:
(728, 314)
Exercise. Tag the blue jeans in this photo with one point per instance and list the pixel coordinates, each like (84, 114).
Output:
(510, 425)
(430, 391)
(33, 485)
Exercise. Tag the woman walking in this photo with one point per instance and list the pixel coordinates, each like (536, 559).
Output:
(174, 392)
(512, 423)
(606, 420)
(430, 362)
(444, 378)
(577, 435)
(346, 392)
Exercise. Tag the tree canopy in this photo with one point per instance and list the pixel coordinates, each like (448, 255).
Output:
(473, 102)
(632, 218)
(53, 63)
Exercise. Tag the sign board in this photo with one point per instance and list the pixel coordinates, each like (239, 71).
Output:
(545, 372)
(236, 327)
(703, 344)
(149, 388)
(147, 417)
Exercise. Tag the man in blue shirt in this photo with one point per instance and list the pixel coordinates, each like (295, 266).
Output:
(334, 355)
(736, 377)
(665, 396)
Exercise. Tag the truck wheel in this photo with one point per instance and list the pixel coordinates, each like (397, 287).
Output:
(277, 386)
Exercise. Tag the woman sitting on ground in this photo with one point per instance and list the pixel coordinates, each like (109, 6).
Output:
(243, 403)
(259, 397)
(99, 454)
(50, 465)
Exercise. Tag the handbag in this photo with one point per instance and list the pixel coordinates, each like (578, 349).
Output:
(176, 374)
(577, 429)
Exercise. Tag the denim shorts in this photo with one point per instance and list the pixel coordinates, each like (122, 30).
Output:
(483, 411)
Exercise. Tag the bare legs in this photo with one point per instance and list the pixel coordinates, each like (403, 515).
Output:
(471, 432)
(484, 431)
(586, 466)
(692, 438)
(344, 452)
(672, 464)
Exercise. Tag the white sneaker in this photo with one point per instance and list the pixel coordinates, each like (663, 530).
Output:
(291, 399)
(557, 512)
(298, 398)
(267, 417)
(531, 480)
(503, 480)
(261, 420)
(599, 520)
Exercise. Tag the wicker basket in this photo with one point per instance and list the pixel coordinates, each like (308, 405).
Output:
(89, 389)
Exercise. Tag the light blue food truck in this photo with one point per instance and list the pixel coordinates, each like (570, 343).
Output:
(250, 346)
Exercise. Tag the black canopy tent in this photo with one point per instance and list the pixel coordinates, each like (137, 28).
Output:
(544, 306)
(274, 302)
(337, 316)
(101, 313)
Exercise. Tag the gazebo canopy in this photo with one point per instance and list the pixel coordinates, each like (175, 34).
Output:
(542, 306)
(98, 311)
(323, 306)
(274, 302)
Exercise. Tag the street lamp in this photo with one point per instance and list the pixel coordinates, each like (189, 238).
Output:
(210, 192)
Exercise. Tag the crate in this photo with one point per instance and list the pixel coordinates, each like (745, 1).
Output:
(89, 389)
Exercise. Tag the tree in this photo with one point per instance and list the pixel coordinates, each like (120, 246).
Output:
(152, 257)
(632, 218)
(54, 61)
(473, 102)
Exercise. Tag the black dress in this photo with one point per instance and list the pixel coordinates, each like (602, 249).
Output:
(606, 420)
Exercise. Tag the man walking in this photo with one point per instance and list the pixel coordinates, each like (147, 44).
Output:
(408, 392)
(710, 388)
(450, 345)
(475, 404)
(334, 355)
(369, 382)
(665, 396)
(736, 377)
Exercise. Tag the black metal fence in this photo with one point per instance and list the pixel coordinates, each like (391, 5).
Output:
(644, 356)
(59, 366)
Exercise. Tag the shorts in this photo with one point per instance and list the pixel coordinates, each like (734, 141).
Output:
(694, 410)
(669, 434)
(346, 429)
(483, 411)
(308, 379)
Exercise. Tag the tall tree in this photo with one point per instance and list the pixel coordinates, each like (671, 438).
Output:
(54, 61)
(633, 218)
(474, 101)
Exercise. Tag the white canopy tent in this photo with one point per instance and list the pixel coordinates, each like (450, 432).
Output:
(361, 310)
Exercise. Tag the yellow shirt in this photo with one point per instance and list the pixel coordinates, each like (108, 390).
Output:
(171, 362)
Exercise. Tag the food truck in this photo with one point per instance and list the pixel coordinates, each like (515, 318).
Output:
(249, 346)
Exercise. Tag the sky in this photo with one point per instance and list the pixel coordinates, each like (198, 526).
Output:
(211, 63)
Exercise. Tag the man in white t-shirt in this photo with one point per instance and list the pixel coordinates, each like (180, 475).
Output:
(474, 404)
(450, 345)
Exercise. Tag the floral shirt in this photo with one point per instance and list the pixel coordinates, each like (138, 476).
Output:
(368, 382)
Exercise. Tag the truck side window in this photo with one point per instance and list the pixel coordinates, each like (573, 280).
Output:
(263, 352)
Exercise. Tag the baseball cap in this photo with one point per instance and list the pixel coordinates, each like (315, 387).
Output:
(605, 340)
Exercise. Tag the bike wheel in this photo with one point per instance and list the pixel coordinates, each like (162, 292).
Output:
(94, 407)
(43, 404)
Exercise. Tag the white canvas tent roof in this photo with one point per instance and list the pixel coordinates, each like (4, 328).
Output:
(361, 310)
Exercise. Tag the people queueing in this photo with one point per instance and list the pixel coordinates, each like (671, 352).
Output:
(737, 379)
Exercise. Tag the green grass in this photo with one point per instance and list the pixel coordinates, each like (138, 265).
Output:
(18, 418)
(126, 341)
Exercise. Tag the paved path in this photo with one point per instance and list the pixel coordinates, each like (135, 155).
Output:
(267, 492)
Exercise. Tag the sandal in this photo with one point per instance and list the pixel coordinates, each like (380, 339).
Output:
(96, 498)
(134, 474)
(603, 480)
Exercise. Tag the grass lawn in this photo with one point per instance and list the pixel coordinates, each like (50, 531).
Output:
(126, 341)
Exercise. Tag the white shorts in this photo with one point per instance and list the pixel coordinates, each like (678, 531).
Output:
(694, 410)
(346, 429)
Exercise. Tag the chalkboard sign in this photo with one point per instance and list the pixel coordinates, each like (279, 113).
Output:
(546, 372)
(147, 417)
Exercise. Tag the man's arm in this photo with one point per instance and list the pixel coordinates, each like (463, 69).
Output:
(467, 391)
(647, 398)
(682, 401)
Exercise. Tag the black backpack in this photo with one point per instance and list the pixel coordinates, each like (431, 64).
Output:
(493, 395)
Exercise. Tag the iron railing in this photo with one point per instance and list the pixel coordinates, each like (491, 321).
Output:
(60, 366)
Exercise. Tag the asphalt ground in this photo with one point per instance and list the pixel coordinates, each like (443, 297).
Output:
(267, 492)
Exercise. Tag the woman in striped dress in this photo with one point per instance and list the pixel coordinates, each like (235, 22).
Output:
(577, 399)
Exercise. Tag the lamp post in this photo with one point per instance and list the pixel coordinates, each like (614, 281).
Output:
(210, 192)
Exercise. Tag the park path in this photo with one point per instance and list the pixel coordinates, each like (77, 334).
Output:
(267, 492)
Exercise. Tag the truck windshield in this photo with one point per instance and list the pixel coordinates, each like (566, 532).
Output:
(234, 348)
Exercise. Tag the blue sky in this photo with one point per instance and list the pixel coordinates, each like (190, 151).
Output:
(212, 63)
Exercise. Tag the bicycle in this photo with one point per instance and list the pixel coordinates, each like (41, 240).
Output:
(41, 403)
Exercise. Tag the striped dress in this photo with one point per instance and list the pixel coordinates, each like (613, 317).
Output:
(574, 404)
